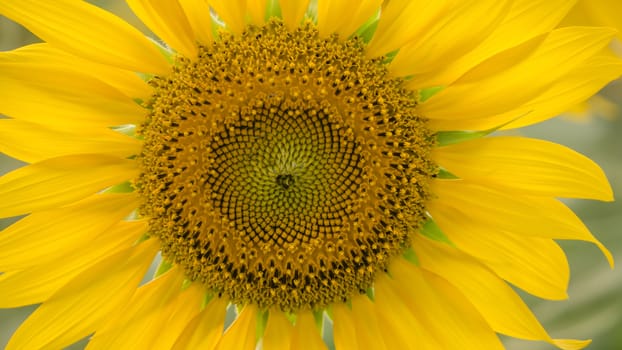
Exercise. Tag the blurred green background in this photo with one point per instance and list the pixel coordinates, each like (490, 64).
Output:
(594, 309)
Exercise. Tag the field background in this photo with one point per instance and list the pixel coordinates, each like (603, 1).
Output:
(594, 309)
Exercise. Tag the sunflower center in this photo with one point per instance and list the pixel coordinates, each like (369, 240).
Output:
(283, 169)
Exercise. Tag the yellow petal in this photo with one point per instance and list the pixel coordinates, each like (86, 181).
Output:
(205, 329)
(536, 265)
(516, 76)
(344, 17)
(596, 13)
(79, 307)
(527, 166)
(498, 304)
(306, 334)
(570, 90)
(293, 12)
(199, 18)
(461, 29)
(128, 328)
(232, 12)
(242, 332)
(62, 108)
(45, 236)
(37, 283)
(154, 318)
(167, 20)
(178, 315)
(87, 31)
(403, 20)
(463, 203)
(344, 333)
(366, 323)
(257, 11)
(59, 181)
(449, 316)
(278, 334)
(52, 61)
(526, 20)
(32, 143)
(400, 327)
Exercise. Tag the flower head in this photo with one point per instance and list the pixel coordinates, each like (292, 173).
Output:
(297, 165)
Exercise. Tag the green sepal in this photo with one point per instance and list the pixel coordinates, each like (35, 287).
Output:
(127, 129)
(125, 187)
(162, 268)
(291, 317)
(262, 321)
(445, 175)
(208, 297)
(168, 53)
(319, 318)
(312, 12)
(410, 256)
(368, 29)
(446, 138)
(273, 10)
(390, 56)
(431, 230)
(186, 284)
(425, 94)
(370, 294)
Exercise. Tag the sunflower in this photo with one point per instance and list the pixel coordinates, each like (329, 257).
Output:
(310, 173)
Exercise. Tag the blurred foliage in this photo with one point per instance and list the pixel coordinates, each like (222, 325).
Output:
(594, 309)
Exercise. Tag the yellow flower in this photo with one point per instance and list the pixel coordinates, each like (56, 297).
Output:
(298, 166)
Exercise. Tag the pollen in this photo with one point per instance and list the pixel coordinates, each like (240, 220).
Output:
(283, 169)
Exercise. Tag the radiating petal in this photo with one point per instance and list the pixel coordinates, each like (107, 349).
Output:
(73, 109)
(242, 332)
(463, 203)
(403, 20)
(449, 316)
(37, 283)
(257, 11)
(232, 12)
(461, 29)
(279, 329)
(516, 76)
(154, 318)
(59, 181)
(499, 305)
(45, 236)
(167, 20)
(570, 90)
(400, 327)
(43, 61)
(87, 31)
(536, 265)
(366, 323)
(527, 166)
(293, 12)
(306, 334)
(32, 143)
(128, 327)
(344, 333)
(525, 20)
(344, 17)
(79, 307)
(178, 315)
(200, 20)
(595, 13)
(205, 330)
